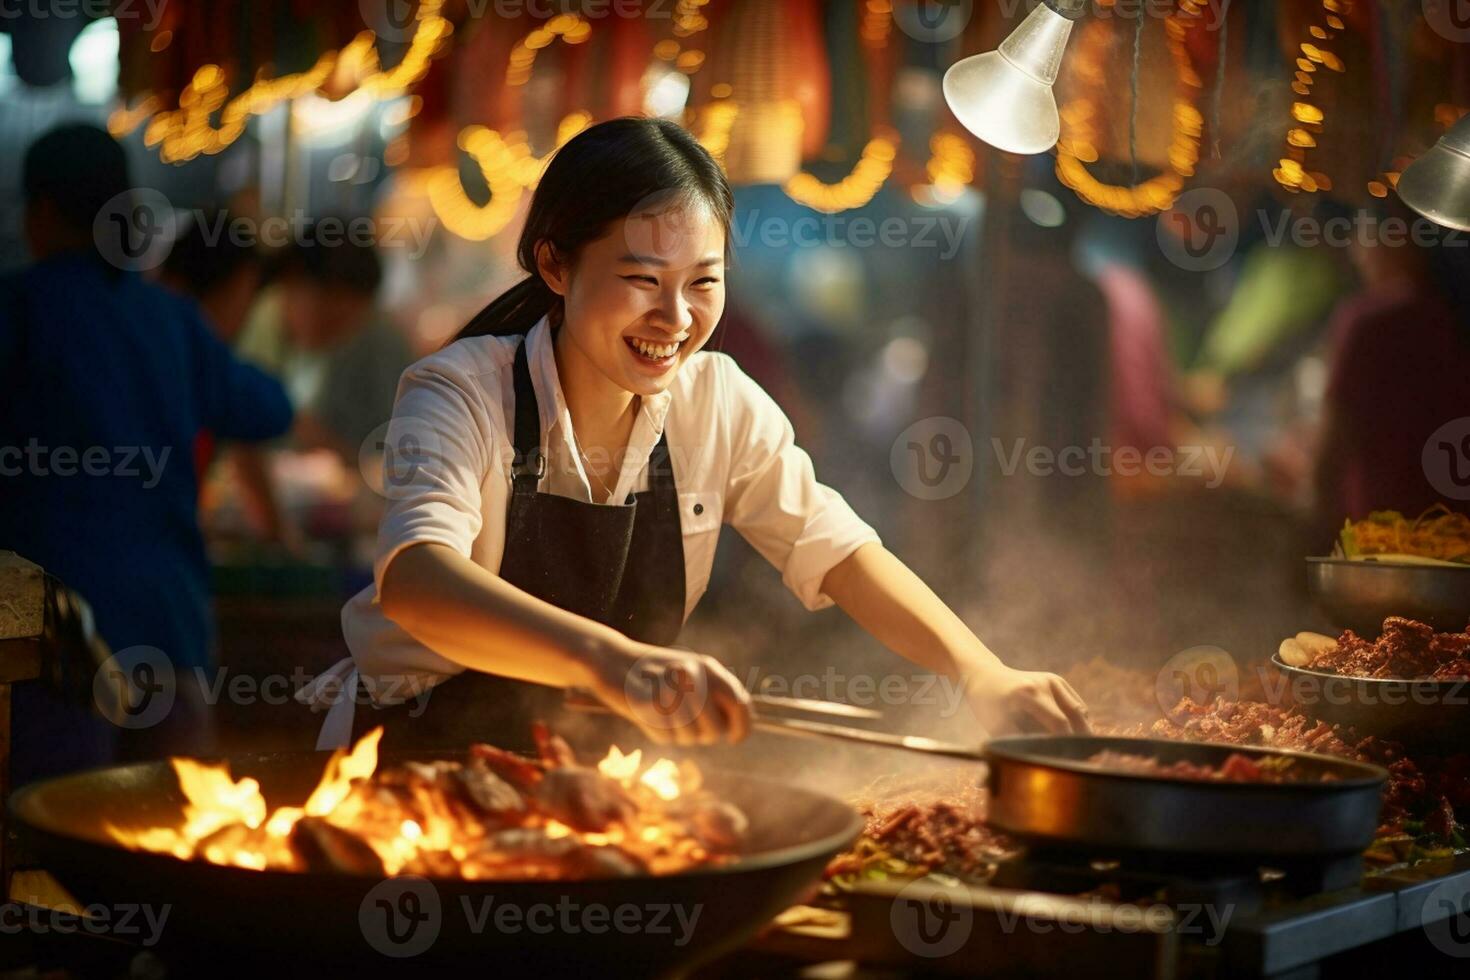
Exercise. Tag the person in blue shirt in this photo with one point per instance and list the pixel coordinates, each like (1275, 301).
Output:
(106, 380)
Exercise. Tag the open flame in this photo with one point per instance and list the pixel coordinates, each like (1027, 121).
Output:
(664, 777)
(416, 818)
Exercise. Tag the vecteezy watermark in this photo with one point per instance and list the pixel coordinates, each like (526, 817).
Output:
(149, 11)
(664, 693)
(135, 230)
(1450, 19)
(127, 462)
(944, 233)
(330, 231)
(1446, 459)
(932, 917)
(863, 690)
(1042, 915)
(570, 916)
(138, 687)
(1310, 689)
(135, 688)
(141, 924)
(933, 459)
(1208, 463)
(1445, 916)
(1201, 673)
(403, 917)
(934, 21)
(1202, 230)
(666, 227)
(397, 20)
(939, 21)
(1364, 229)
(394, 456)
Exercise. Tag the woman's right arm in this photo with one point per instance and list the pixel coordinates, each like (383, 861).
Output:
(479, 620)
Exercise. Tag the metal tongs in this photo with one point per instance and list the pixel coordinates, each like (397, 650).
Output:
(767, 715)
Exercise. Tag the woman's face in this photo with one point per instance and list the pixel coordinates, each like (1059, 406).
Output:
(643, 298)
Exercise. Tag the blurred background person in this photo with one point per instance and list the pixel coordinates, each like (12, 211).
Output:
(1143, 391)
(107, 381)
(1400, 369)
(215, 268)
(318, 328)
(222, 274)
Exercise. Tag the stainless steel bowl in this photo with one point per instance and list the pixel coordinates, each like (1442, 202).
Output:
(1359, 595)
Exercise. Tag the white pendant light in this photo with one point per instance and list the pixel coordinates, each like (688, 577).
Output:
(1437, 185)
(1004, 96)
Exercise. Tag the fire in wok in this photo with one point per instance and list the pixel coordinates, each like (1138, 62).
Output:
(297, 883)
(494, 815)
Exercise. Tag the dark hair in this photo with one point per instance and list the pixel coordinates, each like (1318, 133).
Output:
(205, 254)
(78, 168)
(598, 177)
(347, 261)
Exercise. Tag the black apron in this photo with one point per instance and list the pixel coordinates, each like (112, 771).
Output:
(622, 565)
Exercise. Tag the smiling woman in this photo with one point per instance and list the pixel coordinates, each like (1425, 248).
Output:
(576, 453)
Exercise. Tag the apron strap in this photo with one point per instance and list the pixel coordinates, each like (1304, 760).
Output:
(529, 464)
(661, 472)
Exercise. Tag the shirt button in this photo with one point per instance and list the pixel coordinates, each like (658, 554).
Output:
(698, 509)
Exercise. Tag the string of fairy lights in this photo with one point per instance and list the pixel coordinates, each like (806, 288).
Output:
(186, 132)
(510, 167)
(1308, 119)
(1077, 146)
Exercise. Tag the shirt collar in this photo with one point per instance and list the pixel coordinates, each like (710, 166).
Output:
(647, 428)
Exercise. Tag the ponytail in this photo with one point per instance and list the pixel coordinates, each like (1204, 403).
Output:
(602, 175)
(514, 311)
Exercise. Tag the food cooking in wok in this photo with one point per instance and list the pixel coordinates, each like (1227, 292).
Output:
(494, 815)
(1236, 768)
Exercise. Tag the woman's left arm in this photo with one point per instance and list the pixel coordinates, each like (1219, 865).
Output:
(887, 599)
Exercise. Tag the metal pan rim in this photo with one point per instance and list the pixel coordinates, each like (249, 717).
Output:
(1368, 773)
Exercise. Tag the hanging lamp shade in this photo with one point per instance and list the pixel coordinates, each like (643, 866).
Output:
(1004, 96)
(773, 56)
(1437, 185)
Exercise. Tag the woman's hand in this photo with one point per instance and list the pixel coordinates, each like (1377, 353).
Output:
(674, 696)
(1007, 701)
(888, 600)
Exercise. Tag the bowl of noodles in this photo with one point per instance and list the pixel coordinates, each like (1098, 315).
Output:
(1390, 565)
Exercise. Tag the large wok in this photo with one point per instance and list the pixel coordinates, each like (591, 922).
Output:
(1043, 790)
(227, 915)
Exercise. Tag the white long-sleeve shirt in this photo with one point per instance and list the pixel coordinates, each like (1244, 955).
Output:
(447, 474)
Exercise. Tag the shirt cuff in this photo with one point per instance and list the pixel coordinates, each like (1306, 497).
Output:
(825, 543)
(423, 536)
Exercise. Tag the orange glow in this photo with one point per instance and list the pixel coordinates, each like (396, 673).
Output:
(414, 827)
